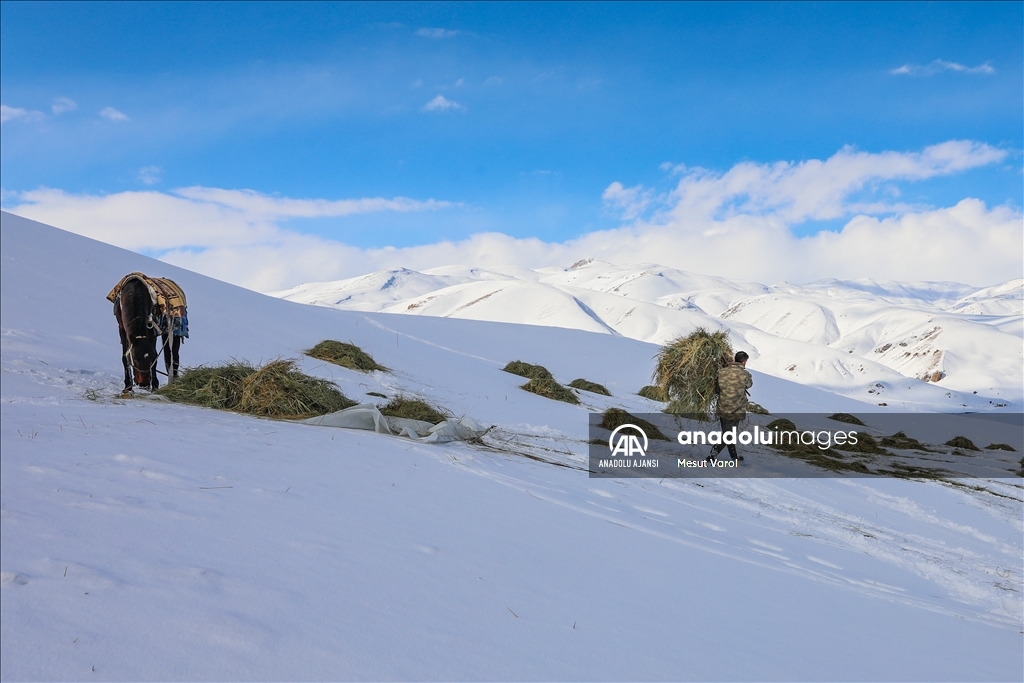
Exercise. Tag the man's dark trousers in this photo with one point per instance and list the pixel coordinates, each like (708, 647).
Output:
(727, 426)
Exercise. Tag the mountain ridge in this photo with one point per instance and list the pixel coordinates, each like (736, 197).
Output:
(858, 338)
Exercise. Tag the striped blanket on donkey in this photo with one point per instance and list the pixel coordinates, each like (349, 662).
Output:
(168, 301)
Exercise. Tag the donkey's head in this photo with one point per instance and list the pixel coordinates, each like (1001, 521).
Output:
(142, 356)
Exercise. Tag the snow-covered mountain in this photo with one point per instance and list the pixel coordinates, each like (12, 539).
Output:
(876, 341)
(143, 540)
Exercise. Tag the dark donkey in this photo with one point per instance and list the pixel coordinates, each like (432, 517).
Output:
(145, 307)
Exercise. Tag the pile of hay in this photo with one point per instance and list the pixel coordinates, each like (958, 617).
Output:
(757, 408)
(413, 409)
(613, 418)
(549, 388)
(783, 424)
(901, 441)
(587, 385)
(847, 418)
(962, 442)
(518, 367)
(865, 444)
(210, 387)
(827, 459)
(687, 371)
(346, 355)
(654, 393)
(277, 389)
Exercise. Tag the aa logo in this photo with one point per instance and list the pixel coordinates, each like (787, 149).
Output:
(626, 441)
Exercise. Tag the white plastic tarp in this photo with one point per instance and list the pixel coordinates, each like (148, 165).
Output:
(367, 416)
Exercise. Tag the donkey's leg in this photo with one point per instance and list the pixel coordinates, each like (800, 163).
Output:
(124, 358)
(175, 347)
(167, 357)
(154, 376)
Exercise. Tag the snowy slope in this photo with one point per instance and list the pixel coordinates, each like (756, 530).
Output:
(935, 345)
(144, 540)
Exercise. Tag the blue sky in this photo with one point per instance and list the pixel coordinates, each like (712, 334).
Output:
(537, 108)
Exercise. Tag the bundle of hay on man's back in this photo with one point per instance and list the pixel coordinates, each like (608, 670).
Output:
(687, 371)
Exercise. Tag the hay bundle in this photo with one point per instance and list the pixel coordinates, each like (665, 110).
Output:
(614, 418)
(587, 385)
(518, 367)
(346, 355)
(549, 388)
(654, 393)
(901, 441)
(413, 409)
(828, 458)
(687, 371)
(865, 444)
(757, 408)
(847, 418)
(210, 387)
(277, 389)
(962, 442)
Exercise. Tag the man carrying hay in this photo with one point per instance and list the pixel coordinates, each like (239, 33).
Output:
(733, 382)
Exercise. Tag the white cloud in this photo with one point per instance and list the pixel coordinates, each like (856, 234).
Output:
(442, 103)
(149, 175)
(815, 189)
(628, 202)
(62, 105)
(147, 220)
(939, 66)
(15, 114)
(967, 243)
(113, 114)
(291, 259)
(437, 32)
(191, 218)
(735, 223)
(253, 203)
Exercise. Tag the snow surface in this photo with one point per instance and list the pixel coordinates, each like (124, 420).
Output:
(144, 540)
(928, 345)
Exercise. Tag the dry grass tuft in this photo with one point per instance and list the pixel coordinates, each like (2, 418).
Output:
(654, 393)
(518, 367)
(901, 441)
(587, 385)
(346, 355)
(847, 418)
(210, 387)
(413, 409)
(865, 444)
(549, 388)
(613, 418)
(757, 408)
(687, 371)
(827, 459)
(277, 389)
(962, 442)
